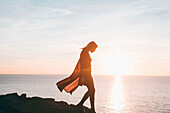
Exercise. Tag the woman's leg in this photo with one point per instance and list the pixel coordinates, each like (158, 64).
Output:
(87, 94)
(92, 94)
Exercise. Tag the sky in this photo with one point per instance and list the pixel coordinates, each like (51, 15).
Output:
(45, 36)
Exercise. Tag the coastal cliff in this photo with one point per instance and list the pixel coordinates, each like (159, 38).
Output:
(13, 103)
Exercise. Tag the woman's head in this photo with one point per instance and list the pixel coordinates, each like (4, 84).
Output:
(91, 46)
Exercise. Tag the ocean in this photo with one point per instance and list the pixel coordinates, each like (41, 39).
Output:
(120, 94)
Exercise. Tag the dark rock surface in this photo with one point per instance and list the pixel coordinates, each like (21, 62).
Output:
(13, 103)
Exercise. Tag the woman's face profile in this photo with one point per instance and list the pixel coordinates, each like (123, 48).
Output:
(93, 49)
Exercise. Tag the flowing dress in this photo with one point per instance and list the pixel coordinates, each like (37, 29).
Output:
(80, 76)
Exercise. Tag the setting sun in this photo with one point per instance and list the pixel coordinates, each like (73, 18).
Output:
(117, 63)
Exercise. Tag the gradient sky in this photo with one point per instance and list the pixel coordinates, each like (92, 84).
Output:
(45, 36)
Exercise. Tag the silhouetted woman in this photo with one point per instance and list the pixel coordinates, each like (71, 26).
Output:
(81, 76)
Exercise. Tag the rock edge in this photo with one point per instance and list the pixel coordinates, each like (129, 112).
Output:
(13, 103)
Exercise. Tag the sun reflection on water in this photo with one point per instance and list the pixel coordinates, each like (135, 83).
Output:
(117, 96)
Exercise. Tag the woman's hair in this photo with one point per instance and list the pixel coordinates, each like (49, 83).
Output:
(91, 44)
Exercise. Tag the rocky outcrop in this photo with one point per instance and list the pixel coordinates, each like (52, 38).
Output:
(13, 103)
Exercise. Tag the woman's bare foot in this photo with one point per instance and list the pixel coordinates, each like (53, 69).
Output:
(92, 111)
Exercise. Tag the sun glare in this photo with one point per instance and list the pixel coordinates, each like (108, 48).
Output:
(50, 45)
(116, 64)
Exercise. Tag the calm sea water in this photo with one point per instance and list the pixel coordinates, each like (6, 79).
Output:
(133, 94)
